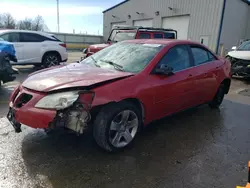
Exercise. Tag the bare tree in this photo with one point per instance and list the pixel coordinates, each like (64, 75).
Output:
(25, 24)
(1, 21)
(8, 21)
(38, 24)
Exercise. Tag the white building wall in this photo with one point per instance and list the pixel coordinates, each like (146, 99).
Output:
(248, 25)
(204, 16)
(235, 24)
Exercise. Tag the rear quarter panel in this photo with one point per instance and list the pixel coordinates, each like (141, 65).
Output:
(53, 46)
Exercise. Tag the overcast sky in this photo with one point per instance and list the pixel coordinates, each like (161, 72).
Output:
(81, 15)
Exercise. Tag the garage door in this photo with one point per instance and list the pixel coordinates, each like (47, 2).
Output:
(144, 23)
(117, 24)
(179, 23)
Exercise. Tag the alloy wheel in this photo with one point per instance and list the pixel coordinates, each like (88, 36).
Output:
(51, 60)
(123, 128)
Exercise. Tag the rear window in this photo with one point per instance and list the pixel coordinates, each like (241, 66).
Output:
(158, 35)
(54, 38)
(118, 35)
(169, 35)
(144, 36)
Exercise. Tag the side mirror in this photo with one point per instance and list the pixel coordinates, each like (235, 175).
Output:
(234, 48)
(164, 70)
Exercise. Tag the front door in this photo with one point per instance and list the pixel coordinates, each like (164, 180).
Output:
(176, 92)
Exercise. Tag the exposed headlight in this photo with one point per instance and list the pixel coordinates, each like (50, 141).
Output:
(58, 101)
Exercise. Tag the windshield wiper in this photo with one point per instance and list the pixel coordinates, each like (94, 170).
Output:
(116, 66)
(95, 62)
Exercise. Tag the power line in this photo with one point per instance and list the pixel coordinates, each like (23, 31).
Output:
(58, 22)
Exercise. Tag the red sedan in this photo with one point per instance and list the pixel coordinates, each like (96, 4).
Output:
(121, 89)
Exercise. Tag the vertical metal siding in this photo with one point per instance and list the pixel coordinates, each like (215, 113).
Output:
(234, 26)
(204, 15)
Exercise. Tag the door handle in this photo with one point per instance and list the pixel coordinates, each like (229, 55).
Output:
(205, 75)
(190, 75)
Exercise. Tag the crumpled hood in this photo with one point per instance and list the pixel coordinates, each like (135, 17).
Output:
(245, 55)
(73, 75)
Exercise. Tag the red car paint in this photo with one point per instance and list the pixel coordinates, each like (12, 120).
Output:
(70, 76)
(159, 95)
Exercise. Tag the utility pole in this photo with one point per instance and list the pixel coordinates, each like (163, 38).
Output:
(58, 23)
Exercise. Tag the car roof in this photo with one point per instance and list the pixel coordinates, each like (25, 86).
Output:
(162, 41)
(25, 31)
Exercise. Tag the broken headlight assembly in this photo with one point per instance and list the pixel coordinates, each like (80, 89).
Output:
(76, 115)
(58, 101)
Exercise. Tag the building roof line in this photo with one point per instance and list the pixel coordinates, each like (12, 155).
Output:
(115, 6)
(245, 1)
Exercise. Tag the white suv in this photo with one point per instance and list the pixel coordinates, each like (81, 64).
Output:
(36, 48)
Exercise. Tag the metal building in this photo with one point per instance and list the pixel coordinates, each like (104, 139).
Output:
(219, 24)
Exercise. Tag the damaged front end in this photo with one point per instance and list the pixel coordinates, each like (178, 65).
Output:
(76, 117)
(240, 68)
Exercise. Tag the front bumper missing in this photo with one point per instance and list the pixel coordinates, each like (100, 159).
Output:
(75, 118)
(11, 117)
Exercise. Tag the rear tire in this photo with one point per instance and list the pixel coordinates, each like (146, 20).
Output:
(50, 60)
(116, 126)
(218, 99)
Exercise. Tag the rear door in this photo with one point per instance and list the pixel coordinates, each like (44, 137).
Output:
(32, 47)
(205, 68)
(14, 37)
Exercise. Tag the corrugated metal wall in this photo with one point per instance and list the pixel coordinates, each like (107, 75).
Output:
(204, 15)
(235, 24)
(78, 41)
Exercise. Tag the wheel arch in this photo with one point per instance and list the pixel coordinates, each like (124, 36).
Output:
(136, 102)
(52, 52)
(226, 82)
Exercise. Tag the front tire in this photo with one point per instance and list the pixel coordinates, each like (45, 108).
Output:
(116, 126)
(218, 99)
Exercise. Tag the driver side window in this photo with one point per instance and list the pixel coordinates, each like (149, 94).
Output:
(177, 58)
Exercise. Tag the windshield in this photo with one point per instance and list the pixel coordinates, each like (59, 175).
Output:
(245, 46)
(118, 35)
(124, 56)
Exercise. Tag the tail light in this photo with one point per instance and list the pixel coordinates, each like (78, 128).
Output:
(63, 45)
